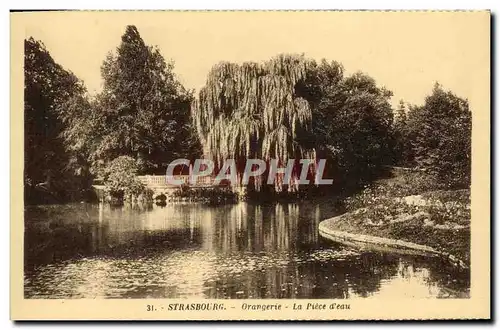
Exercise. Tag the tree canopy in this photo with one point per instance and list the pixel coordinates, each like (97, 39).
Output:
(47, 85)
(291, 107)
(286, 108)
(439, 133)
(142, 111)
(145, 108)
(352, 120)
(252, 111)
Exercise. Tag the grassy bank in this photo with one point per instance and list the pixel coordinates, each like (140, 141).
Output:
(410, 206)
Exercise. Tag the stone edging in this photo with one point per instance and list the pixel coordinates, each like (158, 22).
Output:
(381, 243)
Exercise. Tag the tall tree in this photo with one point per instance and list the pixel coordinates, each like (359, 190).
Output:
(252, 111)
(47, 85)
(440, 133)
(292, 107)
(145, 108)
(352, 121)
(363, 125)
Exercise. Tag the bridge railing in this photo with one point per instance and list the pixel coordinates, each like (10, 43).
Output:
(163, 180)
(152, 180)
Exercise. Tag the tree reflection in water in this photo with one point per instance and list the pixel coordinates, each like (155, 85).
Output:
(230, 251)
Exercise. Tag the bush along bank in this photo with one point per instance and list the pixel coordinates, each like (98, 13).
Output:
(401, 210)
(211, 196)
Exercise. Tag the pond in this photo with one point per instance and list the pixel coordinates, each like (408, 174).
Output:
(231, 251)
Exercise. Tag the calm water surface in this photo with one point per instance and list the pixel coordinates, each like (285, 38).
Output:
(193, 250)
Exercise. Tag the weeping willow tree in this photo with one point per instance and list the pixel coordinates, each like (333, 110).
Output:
(252, 111)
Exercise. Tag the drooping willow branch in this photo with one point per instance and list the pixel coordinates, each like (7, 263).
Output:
(252, 110)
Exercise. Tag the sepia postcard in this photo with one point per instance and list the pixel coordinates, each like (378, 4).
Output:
(250, 165)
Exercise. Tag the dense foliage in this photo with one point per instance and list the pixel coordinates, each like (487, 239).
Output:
(252, 111)
(288, 107)
(120, 177)
(145, 109)
(291, 107)
(437, 137)
(142, 112)
(352, 120)
(47, 86)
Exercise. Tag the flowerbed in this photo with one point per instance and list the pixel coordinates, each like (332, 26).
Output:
(399, 208)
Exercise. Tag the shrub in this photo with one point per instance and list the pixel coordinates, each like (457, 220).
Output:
(208, 195)
(120, 178)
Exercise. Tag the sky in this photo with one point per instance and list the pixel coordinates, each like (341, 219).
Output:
(406, 53)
